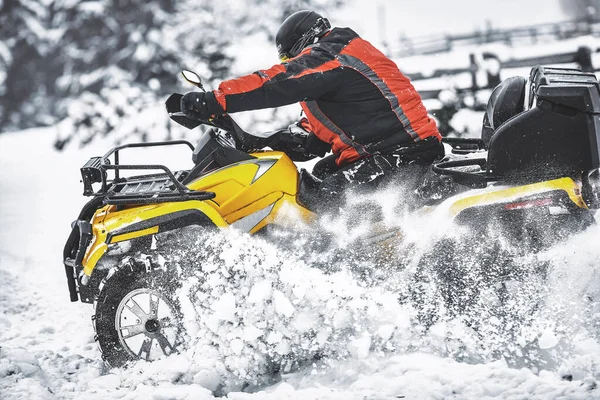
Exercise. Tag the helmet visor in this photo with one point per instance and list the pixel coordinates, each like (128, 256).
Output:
(284, 56)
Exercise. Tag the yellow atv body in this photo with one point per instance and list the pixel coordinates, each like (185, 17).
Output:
(251, 194)
(247, 195)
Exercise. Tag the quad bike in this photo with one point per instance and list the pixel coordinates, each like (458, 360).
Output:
(532, 170)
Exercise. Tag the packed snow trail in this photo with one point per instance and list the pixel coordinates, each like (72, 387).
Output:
(335, 327)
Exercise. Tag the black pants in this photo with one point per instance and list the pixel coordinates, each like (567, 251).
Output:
(405, 165)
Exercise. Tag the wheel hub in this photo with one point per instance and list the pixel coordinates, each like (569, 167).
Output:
(152, 326)
(145, 323)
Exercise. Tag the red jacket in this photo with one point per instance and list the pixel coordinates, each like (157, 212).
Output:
(355, 98)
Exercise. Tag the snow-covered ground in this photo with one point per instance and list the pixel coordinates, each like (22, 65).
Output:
(340, 317)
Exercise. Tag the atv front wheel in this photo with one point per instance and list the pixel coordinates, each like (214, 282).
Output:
(137, 314)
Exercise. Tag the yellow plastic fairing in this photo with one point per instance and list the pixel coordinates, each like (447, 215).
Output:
(242, 184)
(514, 193)
(248, 195)
(254, 193)
(108, 222)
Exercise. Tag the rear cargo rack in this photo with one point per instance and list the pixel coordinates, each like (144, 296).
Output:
(142, 189)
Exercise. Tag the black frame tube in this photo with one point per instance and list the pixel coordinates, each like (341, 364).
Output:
(116, 150)
(149, 144)
(182, 189)
(468, 141)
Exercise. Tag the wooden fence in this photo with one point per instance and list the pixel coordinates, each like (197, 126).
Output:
(582, 57)
(433, 44)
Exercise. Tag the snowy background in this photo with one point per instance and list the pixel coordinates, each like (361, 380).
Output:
(338, 323)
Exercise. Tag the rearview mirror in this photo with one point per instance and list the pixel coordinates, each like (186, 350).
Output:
(192, 78)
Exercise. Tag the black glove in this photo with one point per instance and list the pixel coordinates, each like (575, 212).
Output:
(294, 136)
(298, 142)
(315, 146)
(249, 143)
(287, 139)
(301, 138)
(200, 106)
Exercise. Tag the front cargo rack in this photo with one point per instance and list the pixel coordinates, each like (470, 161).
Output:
(141, 189)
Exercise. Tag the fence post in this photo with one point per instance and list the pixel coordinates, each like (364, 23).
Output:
(492, 70)
(558, 32)
(473, 67)
(533, 34)
(583, 57)
(409, 47)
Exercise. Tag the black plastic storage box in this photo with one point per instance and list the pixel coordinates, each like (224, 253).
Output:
(557, 134)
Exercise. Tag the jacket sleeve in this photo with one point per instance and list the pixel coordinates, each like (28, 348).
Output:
(308, 76)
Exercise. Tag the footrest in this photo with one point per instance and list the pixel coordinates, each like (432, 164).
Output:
(477, 179)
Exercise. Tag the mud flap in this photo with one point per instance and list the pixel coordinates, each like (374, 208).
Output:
(80, 236)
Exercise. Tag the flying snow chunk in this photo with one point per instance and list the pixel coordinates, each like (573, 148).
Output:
(360, 347)
(260, 292)
(274, 337)
(251, 333)
(225, 308)
(282, 304)
(237, 346)
(207, 379)
(342, 319)
(385, 332)
(305, 321)
(548, 339)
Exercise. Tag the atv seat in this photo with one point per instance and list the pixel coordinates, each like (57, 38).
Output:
(506, 101)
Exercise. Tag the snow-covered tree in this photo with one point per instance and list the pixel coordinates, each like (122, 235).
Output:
(25, 80)
(106, 66)
(582, 9)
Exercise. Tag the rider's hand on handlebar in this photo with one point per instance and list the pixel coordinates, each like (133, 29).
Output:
(296, 133)
(299, 138)
(200, 106)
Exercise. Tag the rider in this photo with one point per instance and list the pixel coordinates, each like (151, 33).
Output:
(357, 104)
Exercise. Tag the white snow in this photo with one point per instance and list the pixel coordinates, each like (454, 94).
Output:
(548, 339)
(282, 304)
(370, 344)
(372, 349)
(339, 323)
(224, 307)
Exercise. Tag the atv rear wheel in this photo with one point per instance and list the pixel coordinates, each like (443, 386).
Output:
(137, 314)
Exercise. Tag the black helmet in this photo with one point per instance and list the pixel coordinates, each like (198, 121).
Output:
(298, 31)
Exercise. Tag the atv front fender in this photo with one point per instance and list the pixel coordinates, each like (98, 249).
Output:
(110, 225)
